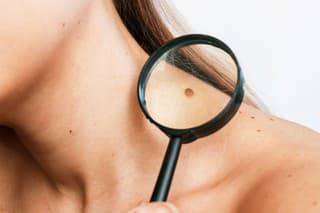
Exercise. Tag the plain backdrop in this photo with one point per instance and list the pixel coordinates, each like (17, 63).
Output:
(278, 45)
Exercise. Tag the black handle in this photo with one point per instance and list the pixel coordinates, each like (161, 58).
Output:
(161, 189)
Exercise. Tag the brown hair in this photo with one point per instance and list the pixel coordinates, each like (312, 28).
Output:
(152, 24)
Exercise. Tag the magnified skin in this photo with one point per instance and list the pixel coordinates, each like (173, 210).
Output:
(171, 102)
(73, 138)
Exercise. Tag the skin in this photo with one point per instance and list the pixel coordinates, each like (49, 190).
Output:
(78, 141)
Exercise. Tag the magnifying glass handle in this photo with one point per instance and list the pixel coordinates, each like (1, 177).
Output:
(161, 189)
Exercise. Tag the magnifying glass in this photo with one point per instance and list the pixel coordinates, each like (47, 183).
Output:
(189, 88)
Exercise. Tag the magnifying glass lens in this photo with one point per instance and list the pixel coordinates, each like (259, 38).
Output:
(190, 85)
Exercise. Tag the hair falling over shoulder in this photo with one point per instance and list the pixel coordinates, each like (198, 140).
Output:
(153, 23)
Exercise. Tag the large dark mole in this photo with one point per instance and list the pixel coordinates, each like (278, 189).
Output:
(188, 92)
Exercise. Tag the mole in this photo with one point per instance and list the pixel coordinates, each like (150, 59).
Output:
(289, 175)
(315, 203)
(258, 130)
(63, 25)
(188, 92)
(70, 131)
(271, 119)
(252, 117)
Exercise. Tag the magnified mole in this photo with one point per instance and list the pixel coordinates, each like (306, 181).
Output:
(188, 92)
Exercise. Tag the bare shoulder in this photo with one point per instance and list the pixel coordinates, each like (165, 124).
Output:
(293, 189)
(294, 183)
(280, 171)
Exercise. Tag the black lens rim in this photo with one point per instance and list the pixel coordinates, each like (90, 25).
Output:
(190, 134)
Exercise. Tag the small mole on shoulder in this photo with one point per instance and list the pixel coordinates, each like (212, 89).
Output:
(188, 92)
(70, 131)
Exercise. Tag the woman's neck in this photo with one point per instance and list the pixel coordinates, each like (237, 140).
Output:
(82, 122)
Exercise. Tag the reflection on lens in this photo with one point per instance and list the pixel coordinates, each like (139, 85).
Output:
(190, 85)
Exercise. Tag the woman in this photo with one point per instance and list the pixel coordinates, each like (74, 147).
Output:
(73, 138)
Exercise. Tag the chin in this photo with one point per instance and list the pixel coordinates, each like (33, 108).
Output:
(6, 97)
(13, 90)
(7, 87)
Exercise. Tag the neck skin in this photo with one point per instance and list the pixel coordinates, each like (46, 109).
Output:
(82, 122)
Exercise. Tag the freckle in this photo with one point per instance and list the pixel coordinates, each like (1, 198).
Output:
(258, 130)
(63, 24)
(315, 203)
(289, 175)
(188, 92)
(252, 117)
(79, 22)
(240, 112)
(271, 119)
